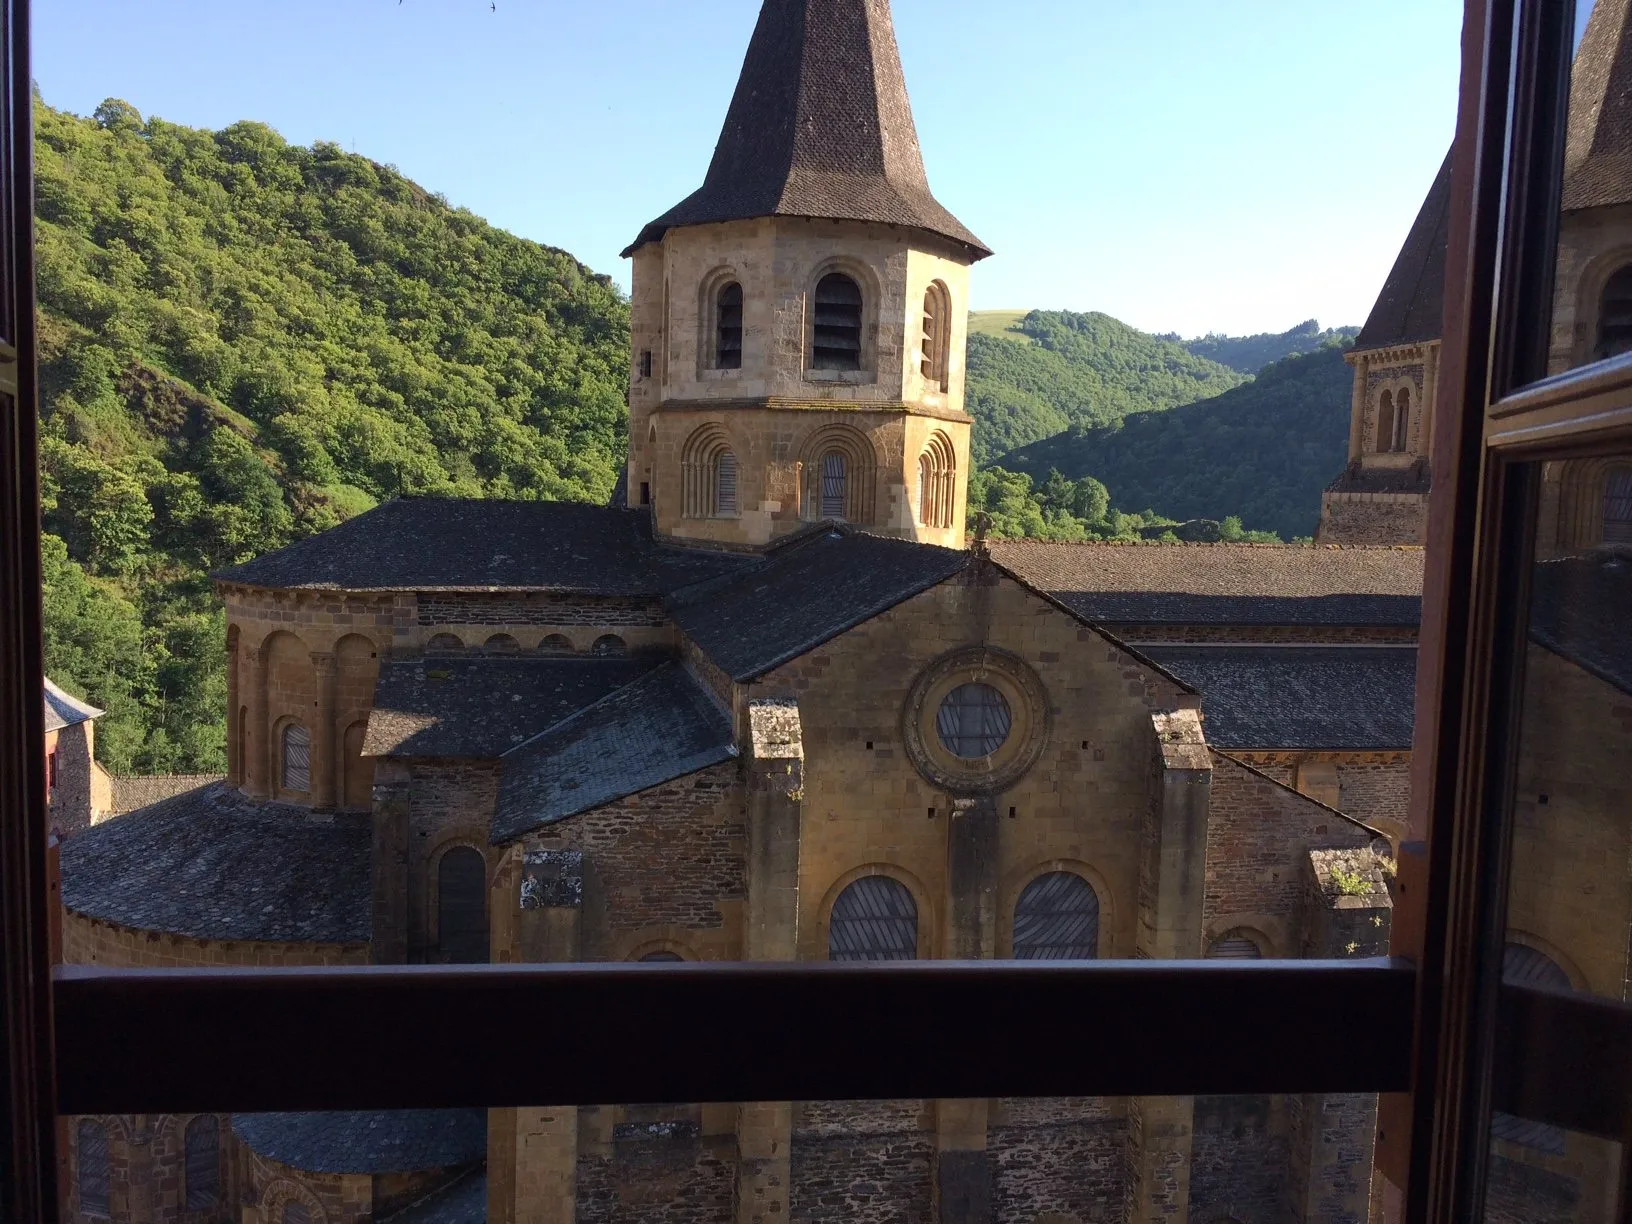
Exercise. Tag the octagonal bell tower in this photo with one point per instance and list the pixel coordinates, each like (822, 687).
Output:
(800, 321)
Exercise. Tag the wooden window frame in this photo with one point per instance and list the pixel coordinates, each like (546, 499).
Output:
(94, 1040)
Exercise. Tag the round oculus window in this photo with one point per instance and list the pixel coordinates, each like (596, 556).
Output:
(974, 721)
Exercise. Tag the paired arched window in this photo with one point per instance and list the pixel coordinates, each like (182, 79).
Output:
(708, 471)
(1057, 918)
(1233, 945)
(202, 1162)
(556, 644)
(937, 482)
(1618, 507)
(94, 1179)
(461, 907)
(609, 645)
(728, 328)
(1526, 966)
(1393, 420)
(297, 758)
(1615, 316)
(873, 919)
(501, 643)
(935, 349)
(836, 341)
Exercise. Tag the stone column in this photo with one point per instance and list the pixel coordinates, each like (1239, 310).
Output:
(532, 1152)
(1173, 856)
(776, 783)
(1347, 912)
(140, 1206)
(257, 750)
(324, 672)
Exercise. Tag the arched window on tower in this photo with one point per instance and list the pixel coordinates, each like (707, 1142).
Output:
(1385, 420)
(937, 482)
(93, 1179)
(1615, 316)
(1618, 507)
(1057, 918)
(836, 344)
(461, 907)
(835, 484)
(296, 774)
(202, 1162)
(1402, 421)
(728, 328)
(709, 471)
(873, 919)
(935, 355)
(1526, 966)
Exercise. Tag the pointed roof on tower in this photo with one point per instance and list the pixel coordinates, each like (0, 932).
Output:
(1411, 307)
(1598, 152)
(820, 126)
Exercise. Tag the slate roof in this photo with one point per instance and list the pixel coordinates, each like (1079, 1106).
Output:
(464, 1202)
(1355, 478)
(466, 544)
(214, 865)
(1411, 307)
(807, 592)
(1598, 146)
(1579, 610)
(388, 1141)
(131, 793)
(484, 706)
(820, 126)
(661, 727)
(63, 710)
(1222, 584)
(1308, 697)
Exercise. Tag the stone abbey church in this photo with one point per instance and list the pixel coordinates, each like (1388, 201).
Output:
(776, 704)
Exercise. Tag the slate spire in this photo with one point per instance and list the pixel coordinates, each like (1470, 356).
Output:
(1598, 149)
(820, 126)
(1411, 306)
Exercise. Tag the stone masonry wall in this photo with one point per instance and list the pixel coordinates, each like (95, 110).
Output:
(536, 608)
(90, 941)
(1238, 1168)
(1345, 521)
(862, 1162)
(1059, 1158)
(1235, 635)
(450, 804)
(666, 1175)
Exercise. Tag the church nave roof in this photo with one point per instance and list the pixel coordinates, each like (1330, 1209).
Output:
(378, 1141)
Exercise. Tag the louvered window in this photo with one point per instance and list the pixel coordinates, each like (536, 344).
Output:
(94, 1175)
(1402, 420)
(725, 485)
(874, 919)
(1528, 967)
(835, 484)
(1615, 316)
(297, 758)
(1057, 918)
(838, 324)
(1618, 507)
(203, 1162)
(296, 1213)
(461, 907)
(1233, 947)
(973, 721)
(728, 328)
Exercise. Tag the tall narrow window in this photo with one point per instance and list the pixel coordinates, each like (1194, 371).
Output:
(202, 1162)
(297, 758)
(935, 352)
(1526, 966)
(925, 478)
(937, 483)
(1615, 316)
(94, 1179)
(1402, 421)
(1057, 918)
(837, 343)
(835, 482)
(874, 919)
(1385, 420)
(461, 907)
(725, 485)
(728, 328)
(1618, 507)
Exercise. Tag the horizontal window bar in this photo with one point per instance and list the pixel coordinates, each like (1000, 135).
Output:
(1564, 1058)
(387, 1037)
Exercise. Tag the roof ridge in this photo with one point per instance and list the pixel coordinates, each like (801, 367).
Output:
(645, 676)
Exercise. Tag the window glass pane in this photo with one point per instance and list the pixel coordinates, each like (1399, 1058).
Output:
(1569, 902)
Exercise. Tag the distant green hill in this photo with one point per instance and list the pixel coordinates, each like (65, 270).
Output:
(1262, 451)
(1249, 354)
(1081, 370)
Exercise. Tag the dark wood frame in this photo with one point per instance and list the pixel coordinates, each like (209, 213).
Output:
(246, 1040)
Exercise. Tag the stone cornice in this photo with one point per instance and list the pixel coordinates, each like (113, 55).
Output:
(777, 403)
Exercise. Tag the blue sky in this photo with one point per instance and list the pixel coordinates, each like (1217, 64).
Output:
(1185, 165)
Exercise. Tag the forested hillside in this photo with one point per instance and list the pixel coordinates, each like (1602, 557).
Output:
(1079, 370)
(1262, 451)
(244, 341)
(1249, 354)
